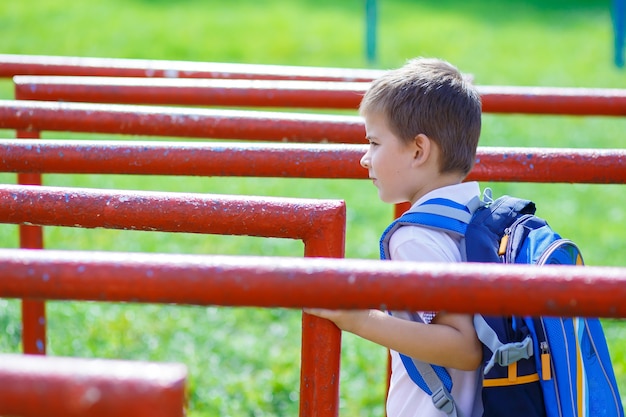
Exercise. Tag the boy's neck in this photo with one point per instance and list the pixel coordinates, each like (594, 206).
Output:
(438, 181)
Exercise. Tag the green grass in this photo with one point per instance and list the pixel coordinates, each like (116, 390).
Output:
(235, 368)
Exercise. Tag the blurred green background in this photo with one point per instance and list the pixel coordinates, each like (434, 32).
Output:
(244, 361)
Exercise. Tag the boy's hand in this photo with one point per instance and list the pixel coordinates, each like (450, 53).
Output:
(348, 320)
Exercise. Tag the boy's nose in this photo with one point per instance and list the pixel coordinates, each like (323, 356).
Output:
(365, 160)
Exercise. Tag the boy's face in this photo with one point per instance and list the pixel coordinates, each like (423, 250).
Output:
(388, 161)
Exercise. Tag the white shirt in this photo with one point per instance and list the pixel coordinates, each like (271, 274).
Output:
(415, 243)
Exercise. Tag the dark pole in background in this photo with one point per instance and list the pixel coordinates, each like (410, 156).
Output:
(619, 15)
(370, 36)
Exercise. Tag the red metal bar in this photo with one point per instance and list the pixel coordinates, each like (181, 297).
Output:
(183, 158)
(199, 92)
(40, 386)
(11, 65)
(313, 282)
(31, 237)
(595, 166)
(174, 212)
(304, 94)
(321, 339)
(555, 165)
(552, 100)
(33, 326)
(177, 121)
(319, 223)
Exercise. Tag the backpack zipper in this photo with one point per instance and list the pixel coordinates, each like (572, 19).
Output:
(551, 248)
(546, 371)
(546, 359)
(507, 241)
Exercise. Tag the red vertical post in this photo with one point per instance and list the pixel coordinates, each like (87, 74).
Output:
(321, 339)
(398, 210)
(31, 237)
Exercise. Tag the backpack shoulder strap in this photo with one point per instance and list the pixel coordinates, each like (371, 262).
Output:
(503, 354)
(431, 381)
(434, 380)
(437, 213)
(450, 216)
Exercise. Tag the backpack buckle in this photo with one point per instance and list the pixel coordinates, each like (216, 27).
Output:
(513, 352)
(443, 400)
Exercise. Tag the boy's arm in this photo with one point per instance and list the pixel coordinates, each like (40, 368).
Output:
(450, 340)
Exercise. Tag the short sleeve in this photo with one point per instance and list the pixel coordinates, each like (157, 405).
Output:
(421, 244)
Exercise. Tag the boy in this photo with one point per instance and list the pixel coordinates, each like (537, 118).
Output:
(422, 123)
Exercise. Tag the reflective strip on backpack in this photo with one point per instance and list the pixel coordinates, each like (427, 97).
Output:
(581, 377)
(505, 382)
(436, 213)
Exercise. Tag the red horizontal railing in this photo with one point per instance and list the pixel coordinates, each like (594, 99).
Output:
(495, 289)
(195, 92)
(303, 94)
(40, 386)
(291, 218)
(332, 161)
(320, 224)
(36, 116)
(554, 100)
(11, 65)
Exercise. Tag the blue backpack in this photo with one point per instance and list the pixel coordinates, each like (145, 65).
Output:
(533, 366)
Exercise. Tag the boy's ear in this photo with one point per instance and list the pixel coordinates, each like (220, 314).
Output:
(422, 148)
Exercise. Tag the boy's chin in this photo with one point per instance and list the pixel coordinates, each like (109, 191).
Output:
(389, 200)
